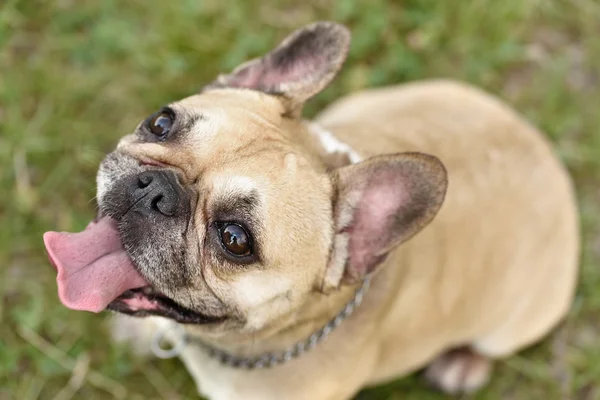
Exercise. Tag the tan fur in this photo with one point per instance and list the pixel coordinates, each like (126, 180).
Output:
(495, 270)
(500, 259)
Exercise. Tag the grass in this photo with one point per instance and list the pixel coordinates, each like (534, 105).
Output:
(75, 76)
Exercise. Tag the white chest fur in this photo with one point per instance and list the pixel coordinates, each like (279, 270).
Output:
(331, 144)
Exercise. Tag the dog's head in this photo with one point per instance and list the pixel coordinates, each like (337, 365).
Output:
(223, 210)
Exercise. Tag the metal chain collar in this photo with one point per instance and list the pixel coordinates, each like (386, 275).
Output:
(270, 359)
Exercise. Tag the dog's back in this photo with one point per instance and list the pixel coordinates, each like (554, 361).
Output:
(497, 268)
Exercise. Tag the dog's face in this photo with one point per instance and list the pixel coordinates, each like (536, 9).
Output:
(232, 216)
(234, 221)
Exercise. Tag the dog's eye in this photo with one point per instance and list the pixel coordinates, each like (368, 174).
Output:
(235, 239)
(161, 124)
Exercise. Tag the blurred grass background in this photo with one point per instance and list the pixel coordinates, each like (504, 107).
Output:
(77, 75)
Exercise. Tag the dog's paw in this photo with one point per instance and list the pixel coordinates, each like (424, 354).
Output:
(459, 371)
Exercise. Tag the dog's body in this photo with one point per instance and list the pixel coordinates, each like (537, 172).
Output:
(492, 273)
(476, 276)
(498, 166)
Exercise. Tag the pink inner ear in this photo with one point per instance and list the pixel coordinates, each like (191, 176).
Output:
(248, 77)
(269, 73)
(295, 72)
(374, 220)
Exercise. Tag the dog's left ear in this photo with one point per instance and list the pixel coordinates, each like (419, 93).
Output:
(300, 67)
(380, 203)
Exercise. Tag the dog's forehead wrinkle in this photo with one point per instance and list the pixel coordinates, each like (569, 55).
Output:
(260, 107)
(267, 150)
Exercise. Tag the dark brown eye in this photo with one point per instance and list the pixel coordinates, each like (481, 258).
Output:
(161, 124)
(235, 239)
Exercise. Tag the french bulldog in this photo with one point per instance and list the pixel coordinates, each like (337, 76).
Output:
(424, 225)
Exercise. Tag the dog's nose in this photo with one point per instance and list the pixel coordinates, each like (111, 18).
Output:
(157, 191)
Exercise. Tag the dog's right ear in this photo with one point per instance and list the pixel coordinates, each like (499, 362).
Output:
(300, 67)
(380, 203)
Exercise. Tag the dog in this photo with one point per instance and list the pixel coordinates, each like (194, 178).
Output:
(419, 226)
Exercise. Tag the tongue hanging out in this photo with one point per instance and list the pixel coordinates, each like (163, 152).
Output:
(93, 268)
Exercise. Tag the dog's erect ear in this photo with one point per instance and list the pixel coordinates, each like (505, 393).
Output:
(380, 203)
(300, 67)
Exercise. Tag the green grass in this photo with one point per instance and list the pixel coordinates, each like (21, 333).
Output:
(75, 76)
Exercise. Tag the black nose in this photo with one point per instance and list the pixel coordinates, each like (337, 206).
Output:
(157, 191)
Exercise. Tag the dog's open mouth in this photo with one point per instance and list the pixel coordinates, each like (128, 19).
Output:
(146, 301)
(95, 273)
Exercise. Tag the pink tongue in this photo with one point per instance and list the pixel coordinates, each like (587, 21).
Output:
(93, 268)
